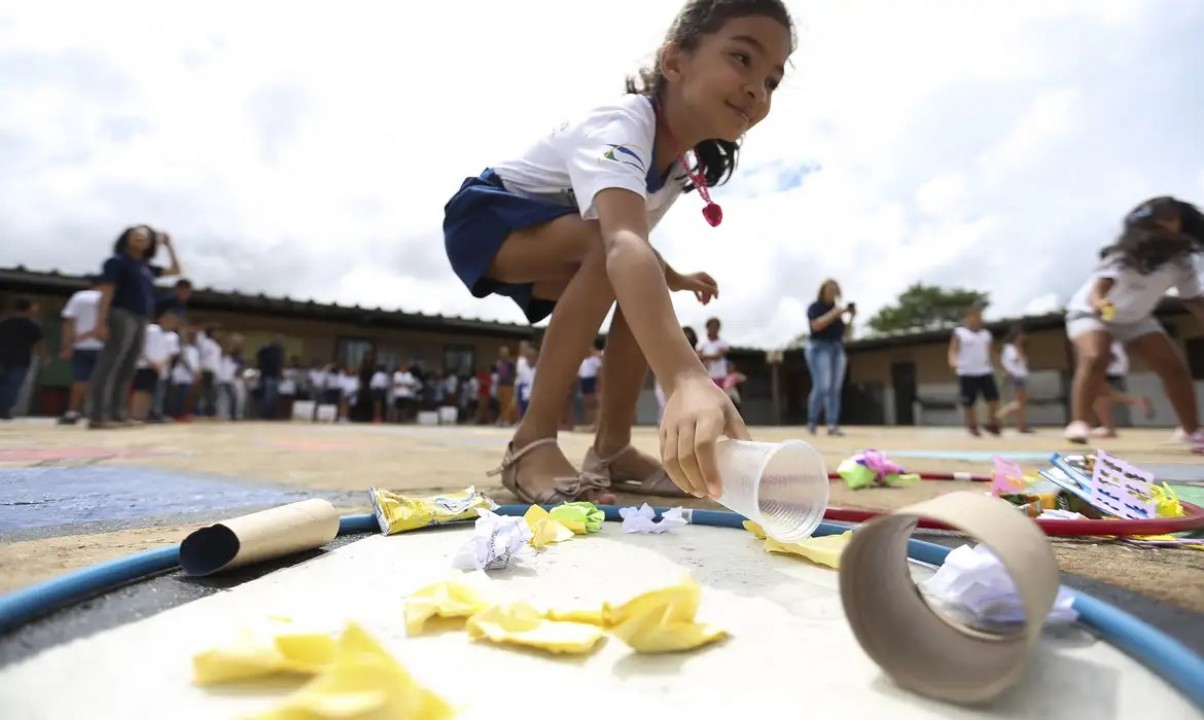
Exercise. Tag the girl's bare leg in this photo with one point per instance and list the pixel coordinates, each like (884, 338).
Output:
(1091, 365)
(565, 260)
(1161, 355)
(623, 375)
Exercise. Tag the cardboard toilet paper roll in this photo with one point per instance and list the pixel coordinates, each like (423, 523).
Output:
(920, 649)
(280, 531)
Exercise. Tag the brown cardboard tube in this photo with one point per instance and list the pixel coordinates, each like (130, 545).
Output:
(920, 649)
(280, 531)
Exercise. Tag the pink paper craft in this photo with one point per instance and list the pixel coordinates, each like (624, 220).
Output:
(879, 463)
(1122, 489)
(1008, 478)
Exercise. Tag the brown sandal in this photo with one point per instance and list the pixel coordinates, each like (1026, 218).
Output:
(564, 489)
(657, 483)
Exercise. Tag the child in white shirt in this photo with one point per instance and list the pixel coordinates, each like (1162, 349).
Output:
(1014, 360)
(1155, 252)
(970, 358)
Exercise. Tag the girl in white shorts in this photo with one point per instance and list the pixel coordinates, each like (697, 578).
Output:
(1154, 252)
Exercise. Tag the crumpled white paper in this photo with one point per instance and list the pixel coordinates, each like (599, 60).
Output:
(974, 579)
(1060, 515)
(641, 519)
(495, 539)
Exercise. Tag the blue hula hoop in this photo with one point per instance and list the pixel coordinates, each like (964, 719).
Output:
(1165, 656)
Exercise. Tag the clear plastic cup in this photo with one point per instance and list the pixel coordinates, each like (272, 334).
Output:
(783, 487)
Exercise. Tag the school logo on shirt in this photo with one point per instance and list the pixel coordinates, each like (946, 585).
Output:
(625, 155)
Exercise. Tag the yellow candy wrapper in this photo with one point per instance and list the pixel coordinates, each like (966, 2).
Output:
(545, 529)
(399, 513)
(521, 624)
(447, 599)
(662, 621)
(362, 681)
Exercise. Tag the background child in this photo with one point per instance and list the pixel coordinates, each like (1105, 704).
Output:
(1114, 394)
(80, 345)
(970, 358)
(1014, 360)
(713, 351)
(1155, 251)
(154, 363)
(564, 231)
(587, 379)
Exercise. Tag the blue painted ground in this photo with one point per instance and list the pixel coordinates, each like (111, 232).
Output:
(48, 497)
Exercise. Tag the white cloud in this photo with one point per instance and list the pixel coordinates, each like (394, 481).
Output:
(300, 149)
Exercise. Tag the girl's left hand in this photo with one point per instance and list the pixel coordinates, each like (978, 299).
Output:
(701, 284)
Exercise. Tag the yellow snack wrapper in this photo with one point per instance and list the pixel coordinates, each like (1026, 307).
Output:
(544, 529)
(363, 681)
(263, 652)
(755, 529)
(824, 550)
(447, 599)
(399, 513)
(662, 621)
(521, 624)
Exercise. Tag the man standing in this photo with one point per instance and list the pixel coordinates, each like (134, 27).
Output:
(80, 345)
(271, 367)
(20, 340)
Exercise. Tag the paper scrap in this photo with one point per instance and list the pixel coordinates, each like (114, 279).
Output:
(521, 624)
(1122, 489)
(399, 513)
(643, 519)
(544, 528)
(662, 621)
(581, 517)
(974, 579)
(495, 539)
(1056, 514)
(446, 599)
(755, 529)
(277, 648)
(363, 681)
(1008, 477)
(823, 550)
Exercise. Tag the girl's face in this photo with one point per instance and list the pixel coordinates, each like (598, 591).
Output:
(728, 80)
(138, 241)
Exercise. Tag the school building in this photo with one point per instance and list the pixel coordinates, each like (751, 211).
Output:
(896, 379)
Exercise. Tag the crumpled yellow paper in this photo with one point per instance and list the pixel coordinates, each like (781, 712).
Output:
(581, 517)
(257, 653)
(446, 599)
(545, 529)
(824, 550)
(521, 624)
(363, 682)
(661, 621)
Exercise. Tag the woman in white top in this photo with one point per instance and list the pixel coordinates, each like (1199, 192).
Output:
(1154, 253)
(970, 358)
(1014, 360)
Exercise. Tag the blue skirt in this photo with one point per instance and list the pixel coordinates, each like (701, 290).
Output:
(477, 220)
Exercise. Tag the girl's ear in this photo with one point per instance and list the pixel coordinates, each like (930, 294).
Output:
(671, 58)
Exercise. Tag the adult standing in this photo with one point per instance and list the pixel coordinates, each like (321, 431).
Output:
(127, 302)
(270, 360)
(20, 339)
(826, 356)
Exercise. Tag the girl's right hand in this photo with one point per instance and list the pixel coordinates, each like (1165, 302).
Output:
(697, 415)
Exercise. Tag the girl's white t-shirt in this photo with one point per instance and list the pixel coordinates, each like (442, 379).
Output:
(190, 362)
(379, 381)
(973, 351)
(589, 367)
(154, 348)
(1136, 296)
(717, 368)
(611, 146)
(1013, 361)
(404, 384)
(288, 381)
(228, 371)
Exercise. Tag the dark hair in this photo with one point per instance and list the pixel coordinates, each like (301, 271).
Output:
(124, 239)
(690, 335)
(22, 304)
(716, 159)
(819, 294)
(1145, 245)
(1015, 331)
(599, 343)
(184, 283)
(713, 320)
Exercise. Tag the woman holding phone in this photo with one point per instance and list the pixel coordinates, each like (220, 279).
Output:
(825, 355)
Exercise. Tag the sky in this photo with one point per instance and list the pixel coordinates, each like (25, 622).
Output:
(307, 149)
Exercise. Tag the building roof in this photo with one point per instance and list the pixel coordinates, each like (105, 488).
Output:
(21, 279)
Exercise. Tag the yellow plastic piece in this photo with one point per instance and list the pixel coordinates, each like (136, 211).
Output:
(824, 550)
(447, 599)
(546, 530)
(261, 653)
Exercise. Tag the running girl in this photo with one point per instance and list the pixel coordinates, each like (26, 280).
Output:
(1014, 360)
(1154, 252)
(563, 230)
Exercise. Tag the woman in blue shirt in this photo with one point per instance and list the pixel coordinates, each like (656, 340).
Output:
(825, 355)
